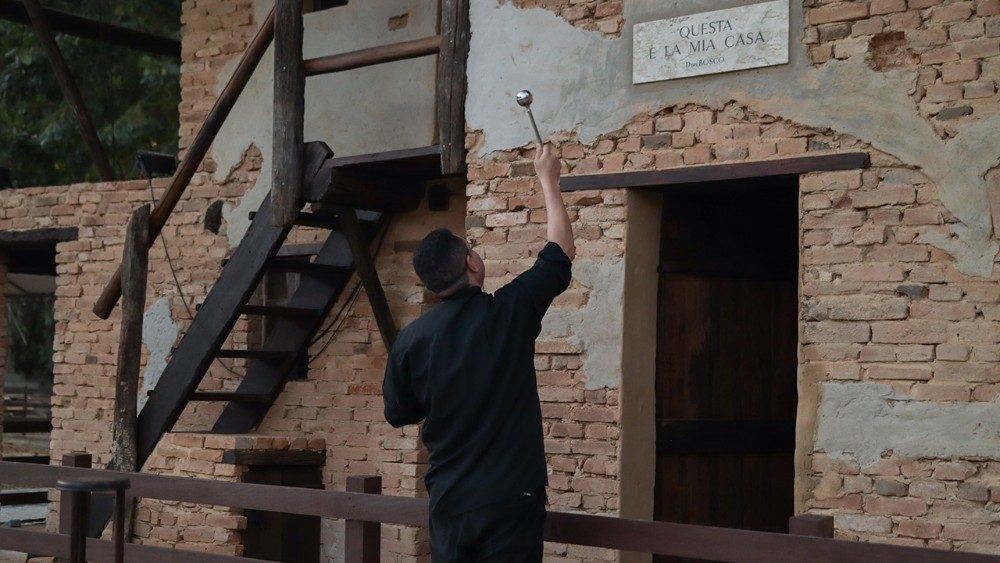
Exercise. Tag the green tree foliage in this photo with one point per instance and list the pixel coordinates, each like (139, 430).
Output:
(30, 332)
(132, 97)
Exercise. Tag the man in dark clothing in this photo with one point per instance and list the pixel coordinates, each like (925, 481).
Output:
(466, 369)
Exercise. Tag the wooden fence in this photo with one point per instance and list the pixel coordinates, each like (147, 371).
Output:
(363, 509)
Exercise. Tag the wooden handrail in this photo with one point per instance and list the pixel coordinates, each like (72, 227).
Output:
(195, 153)
(46, 544)
(373, 56)
(665, 538)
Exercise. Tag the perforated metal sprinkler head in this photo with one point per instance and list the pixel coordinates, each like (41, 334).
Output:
(524, 99)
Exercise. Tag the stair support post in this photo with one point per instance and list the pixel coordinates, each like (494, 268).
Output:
(365, 266)
(289, 113)
(135, 267)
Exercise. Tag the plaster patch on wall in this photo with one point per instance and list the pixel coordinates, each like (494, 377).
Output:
(587, 90)
(597, 327)
(159, 332)
(865, 419)
(385, 107)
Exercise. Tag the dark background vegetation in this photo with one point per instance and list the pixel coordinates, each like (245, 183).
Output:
(132, 97)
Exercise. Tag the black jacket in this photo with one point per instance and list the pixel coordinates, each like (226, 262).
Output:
(466, 369)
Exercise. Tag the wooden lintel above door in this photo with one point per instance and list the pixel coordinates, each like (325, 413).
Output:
(714, 172)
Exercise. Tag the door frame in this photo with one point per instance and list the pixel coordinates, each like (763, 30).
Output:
(644, 206)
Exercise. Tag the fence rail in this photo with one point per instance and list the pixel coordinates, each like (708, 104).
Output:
(664, 538)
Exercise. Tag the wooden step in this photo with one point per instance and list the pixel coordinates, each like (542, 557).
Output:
(300, 250)
(308, 268)
(316, 221)
(230, 396)
(280, 311)
(313, 292)
(272, 355)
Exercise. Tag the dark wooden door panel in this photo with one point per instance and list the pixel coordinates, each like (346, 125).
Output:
(727, 356)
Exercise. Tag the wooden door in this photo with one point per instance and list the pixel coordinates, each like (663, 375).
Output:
(727, 354)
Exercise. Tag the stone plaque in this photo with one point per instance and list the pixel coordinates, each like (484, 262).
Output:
(735, 39)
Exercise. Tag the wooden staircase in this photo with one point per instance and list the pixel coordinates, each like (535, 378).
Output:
(353, 218)
(350, 198)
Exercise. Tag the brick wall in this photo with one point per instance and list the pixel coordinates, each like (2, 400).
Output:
(606, 16)
(197, 527)
(953, 45)
(878, 305)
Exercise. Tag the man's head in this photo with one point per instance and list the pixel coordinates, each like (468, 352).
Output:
(446, 263)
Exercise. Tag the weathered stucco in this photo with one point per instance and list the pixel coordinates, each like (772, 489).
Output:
(866, 419)
(582, 81)
(385, 107)
(597, 327)
(159, 332)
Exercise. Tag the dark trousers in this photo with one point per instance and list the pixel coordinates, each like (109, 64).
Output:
(506, 532)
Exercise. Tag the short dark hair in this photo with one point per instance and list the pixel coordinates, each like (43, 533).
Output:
(439, 260)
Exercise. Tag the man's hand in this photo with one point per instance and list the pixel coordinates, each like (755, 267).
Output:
(547, 166)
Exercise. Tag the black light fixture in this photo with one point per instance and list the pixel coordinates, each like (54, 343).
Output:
(155, 164)
(5, 181)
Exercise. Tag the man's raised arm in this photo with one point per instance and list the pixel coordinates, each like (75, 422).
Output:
(559, 230)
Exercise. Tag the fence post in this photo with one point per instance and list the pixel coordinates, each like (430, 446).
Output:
(68, 500)
(363, 540)
(815, 525)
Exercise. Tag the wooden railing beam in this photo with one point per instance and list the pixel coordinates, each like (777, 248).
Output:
(665, 538)
(373, 56)
(195, 153)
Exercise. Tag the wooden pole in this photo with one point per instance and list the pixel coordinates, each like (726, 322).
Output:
(362, 540)
(365, 266)
(195, 153)
(451, 84)
(289, 113)
(95, 30)
(69, 90)
(373, 56)
(67, 500)
(134, 273)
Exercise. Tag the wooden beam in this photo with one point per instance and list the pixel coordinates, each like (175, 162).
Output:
(70, 91)
(289, 113)
(41, 543)
(195, 153)
(365, 266)
(37, 238)
(714, 172)
(282, 458)
(333, 186)
(452, 84)
(363, 540)
(607, 532)
(134, 274)
(95, 30)
(373, 56)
